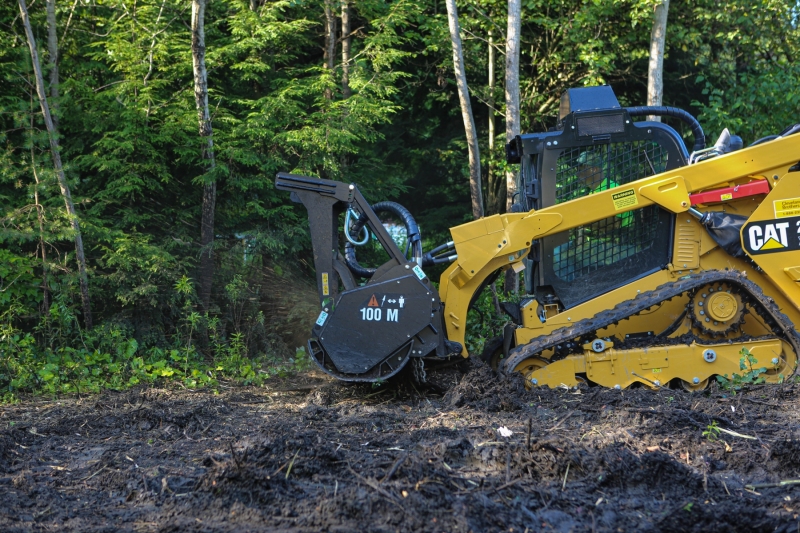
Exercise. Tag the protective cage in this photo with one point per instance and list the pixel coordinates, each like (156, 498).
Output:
(584, 262)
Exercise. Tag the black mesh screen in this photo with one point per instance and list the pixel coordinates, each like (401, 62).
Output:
(605, 243)
(528, 183)
(591, 259)
(588, 169)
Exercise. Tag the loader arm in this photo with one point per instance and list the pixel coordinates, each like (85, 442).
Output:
(502, 241)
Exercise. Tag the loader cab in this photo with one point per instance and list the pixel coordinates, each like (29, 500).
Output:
(595, 146)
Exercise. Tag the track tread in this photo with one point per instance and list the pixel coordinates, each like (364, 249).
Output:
(783, 326)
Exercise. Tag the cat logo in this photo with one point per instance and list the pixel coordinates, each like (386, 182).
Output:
(770, 236)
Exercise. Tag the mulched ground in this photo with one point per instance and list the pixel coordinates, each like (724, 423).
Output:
(313, 455)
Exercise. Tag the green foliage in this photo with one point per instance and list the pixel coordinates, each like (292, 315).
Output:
(712, 431)
(108, 358)
(132, 156)
(19, 286)
(744, 65)
(485, 320)
(752, 375)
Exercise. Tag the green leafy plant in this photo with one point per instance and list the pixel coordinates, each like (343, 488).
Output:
(712, 431)
(485, 319)
(751, 375)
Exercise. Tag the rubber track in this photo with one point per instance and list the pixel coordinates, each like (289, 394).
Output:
(779, 322)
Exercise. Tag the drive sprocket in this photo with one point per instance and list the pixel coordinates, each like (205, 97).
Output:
(717, 309)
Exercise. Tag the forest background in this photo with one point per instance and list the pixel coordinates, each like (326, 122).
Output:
(362, 92)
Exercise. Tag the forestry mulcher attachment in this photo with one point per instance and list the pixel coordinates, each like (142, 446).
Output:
(644, 263)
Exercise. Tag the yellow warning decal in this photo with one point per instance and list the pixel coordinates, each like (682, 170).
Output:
(726, 196)
(326, 290)
(790, 207)
(656, 370)
(624, 199)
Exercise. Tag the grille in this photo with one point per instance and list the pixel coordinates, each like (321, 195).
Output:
(591, 169)
(605, 243)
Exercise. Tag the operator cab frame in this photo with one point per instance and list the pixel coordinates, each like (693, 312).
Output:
(595, 146)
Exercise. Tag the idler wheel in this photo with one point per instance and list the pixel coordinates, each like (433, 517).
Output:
(694, 387)
(530, 365)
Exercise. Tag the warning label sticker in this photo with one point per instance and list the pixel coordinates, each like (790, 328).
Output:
(624, 199)
(789, 207)
(326, 288)
(383, 308)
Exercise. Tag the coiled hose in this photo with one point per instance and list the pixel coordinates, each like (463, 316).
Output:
(412, 231)
(665, 111)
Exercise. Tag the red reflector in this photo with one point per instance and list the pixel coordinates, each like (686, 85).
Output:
(730, 193)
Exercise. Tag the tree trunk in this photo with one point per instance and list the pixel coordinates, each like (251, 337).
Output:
(655, 69)
(206, 271)
(512, 110)
(59, 169)
(491, 178)
(346, 49)
(466, 112)
(330, 42)
(52, 52)
(40, 217)
(512, 87)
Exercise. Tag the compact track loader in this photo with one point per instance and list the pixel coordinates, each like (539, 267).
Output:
(644, 263)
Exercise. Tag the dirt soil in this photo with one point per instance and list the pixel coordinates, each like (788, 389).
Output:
(314, 455)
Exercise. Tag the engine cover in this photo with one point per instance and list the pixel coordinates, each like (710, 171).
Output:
(373, 330)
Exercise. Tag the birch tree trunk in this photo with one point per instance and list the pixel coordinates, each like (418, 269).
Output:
(491, 178)
(512, 110)
(466, 111)
(330, 42)
(59, 168)
(512, 86)
(52, 52)
(206, 271)
(346, 49)
(40, 217)
(655, 69)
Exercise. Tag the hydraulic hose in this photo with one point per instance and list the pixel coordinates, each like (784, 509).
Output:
(665, 111)
(764, 139)
(791, 130)
(412, 232)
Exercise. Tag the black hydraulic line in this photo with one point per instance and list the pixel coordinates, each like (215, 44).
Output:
(412, 232)
(351, 261)
(431, 257)
(442, 247)
(666, 111)
(764, 139)
(791, 130)
(441, 260)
